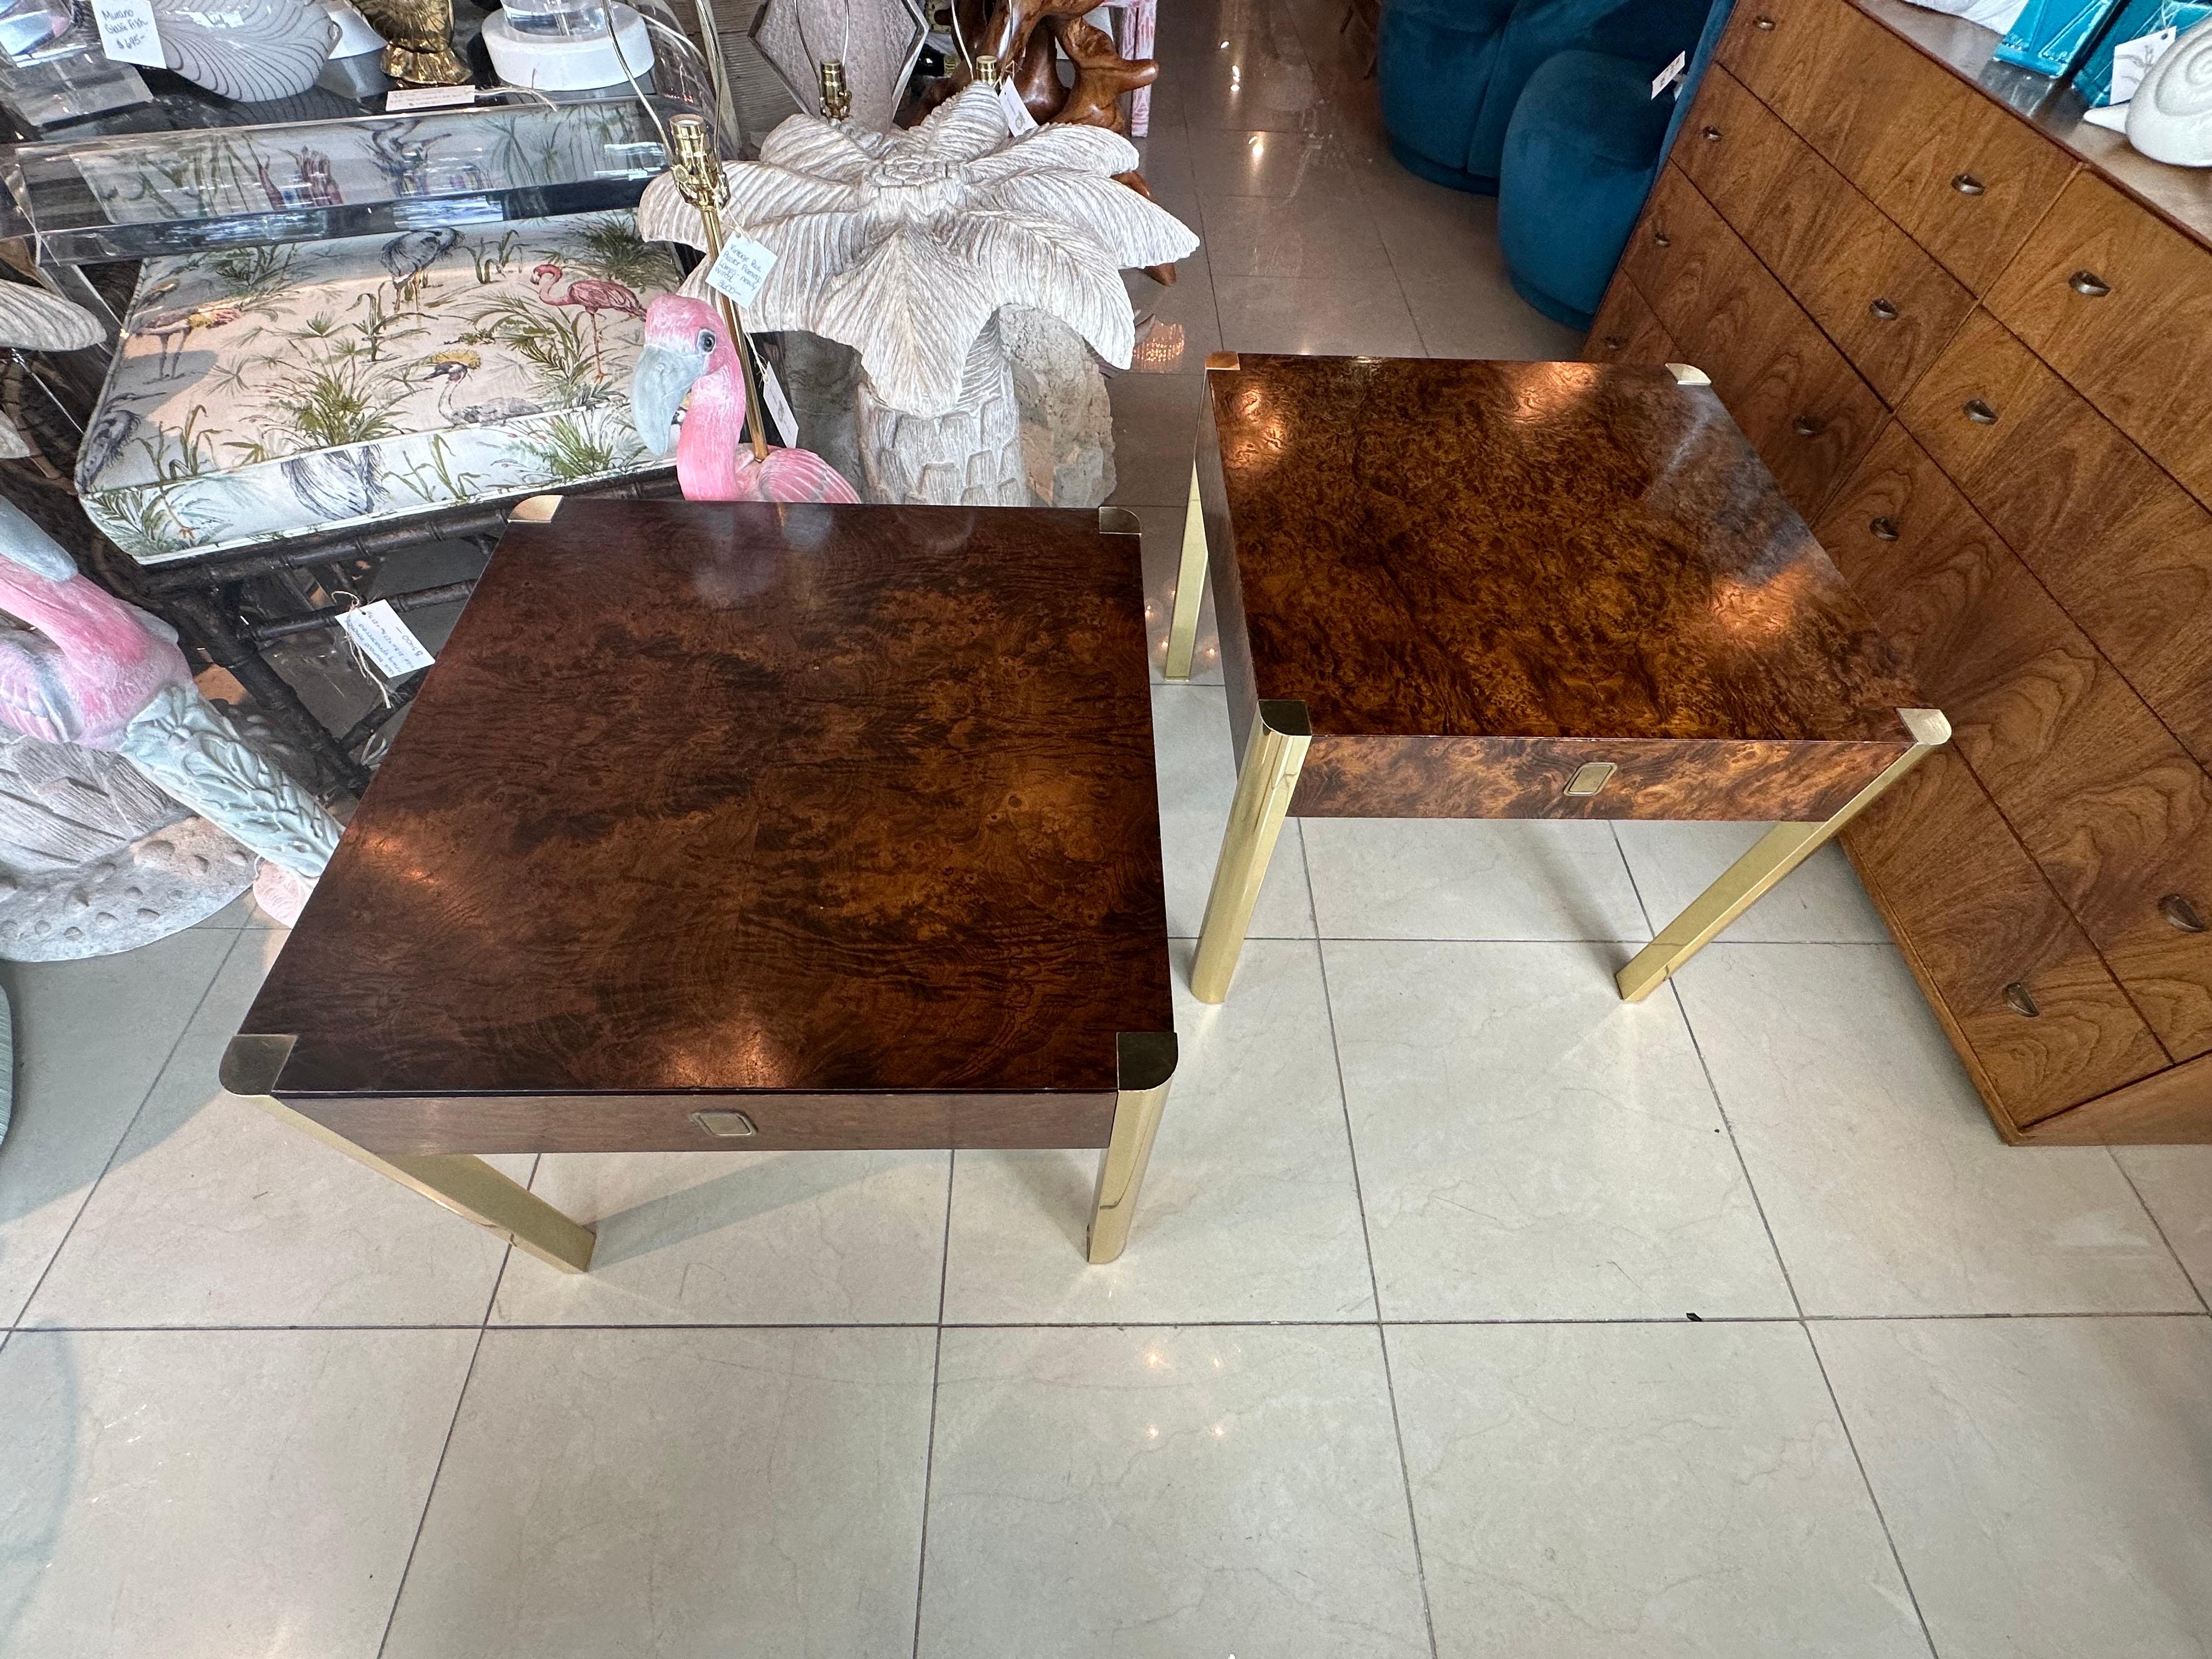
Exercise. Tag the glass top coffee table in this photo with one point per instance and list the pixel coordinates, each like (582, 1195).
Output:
(1522, 591)
(749, 826)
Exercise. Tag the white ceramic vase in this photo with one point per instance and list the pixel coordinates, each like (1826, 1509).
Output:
(2170, 118)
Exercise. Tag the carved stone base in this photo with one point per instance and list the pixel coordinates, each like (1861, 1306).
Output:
(1067, 423)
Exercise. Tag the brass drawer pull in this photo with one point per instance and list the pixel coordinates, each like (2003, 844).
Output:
(1712, 135)
(1808, 426)
(2181, 913)
(1615, 342)
(1882, 530)
(1979, 412)
(2089, 284)
(1966, 185)
(1762, 22)
(1662, 238)
(2017, 999)
(724, 1125)
(1883, 309)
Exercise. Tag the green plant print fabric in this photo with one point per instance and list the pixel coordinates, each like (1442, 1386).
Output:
(262, 392)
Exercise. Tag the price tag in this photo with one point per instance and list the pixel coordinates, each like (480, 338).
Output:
(1672, 73)
(2133, 59)
(780, 419)
(1019, 119)
(385, 640)
(128, 33)
(406, 98)
(741, 269)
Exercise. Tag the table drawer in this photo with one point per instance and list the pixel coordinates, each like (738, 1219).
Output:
(2122, 547)
(2120, 303)
(1966, 179)
(1627, 331)
(1803, 407)
(1884, 301)
(2024, 992)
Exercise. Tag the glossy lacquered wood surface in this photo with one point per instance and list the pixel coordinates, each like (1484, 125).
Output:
(1476, 576)
(734, 797)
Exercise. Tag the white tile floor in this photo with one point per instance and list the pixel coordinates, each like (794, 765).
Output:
(1469, 1312)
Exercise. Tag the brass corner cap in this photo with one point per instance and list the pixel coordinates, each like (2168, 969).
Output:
(1686, 374)
(1222, 360)
(534, 509)
(1929, 726)
(254, 1061)
(1117, 521)
(1286, 715)
(1143, 1059)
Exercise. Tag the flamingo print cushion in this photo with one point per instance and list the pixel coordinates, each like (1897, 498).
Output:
(262, 392)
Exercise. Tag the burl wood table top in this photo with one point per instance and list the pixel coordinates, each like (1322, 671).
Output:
(729, 797)
(1473, 574)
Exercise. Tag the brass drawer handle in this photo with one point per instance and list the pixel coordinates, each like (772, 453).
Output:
(1712, 135)
(724, 1125)
(1662, 238)
(1762, 22)
(1808, 426)
(1966, 185)
(1979, 412)
(1883, 529)
(2017, 999)
(2181, 913)
(1885, 310)
(2089, 284)
(1615, 342)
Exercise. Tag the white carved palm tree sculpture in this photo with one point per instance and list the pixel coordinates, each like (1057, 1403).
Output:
(906, 245)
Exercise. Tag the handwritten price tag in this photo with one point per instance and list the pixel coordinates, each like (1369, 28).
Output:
(780, 414)
(405, 98)
(128, 33)
(1019, 119)
(743, 268)
(1672, 73)
(385, 640)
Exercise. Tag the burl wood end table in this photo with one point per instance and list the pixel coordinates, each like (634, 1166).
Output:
(748, 826)
(1522, 591)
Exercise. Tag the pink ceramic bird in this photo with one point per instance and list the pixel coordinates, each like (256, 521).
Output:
(689, 352)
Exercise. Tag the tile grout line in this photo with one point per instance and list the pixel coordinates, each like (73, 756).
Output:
(936, 1372)
(430, 1493)
(1374, 1285)
(2128, 1175)
(153, 1083)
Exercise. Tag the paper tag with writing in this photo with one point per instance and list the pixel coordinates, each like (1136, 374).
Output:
(2133, 59)
(404, 98)
(741, 269)
(1019, 119)
(1672, 73)
(780, 419)
(128, 33)
(383, 639)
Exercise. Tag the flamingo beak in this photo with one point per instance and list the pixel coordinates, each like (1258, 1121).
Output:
(658, 386)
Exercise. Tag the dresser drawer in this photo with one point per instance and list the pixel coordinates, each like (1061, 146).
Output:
(2115, 811)
(1627, 331)
(2120, 303)
(2024, 994)
(2122, 547)
(1803, 407)
(1868, 285)
(1965, 178)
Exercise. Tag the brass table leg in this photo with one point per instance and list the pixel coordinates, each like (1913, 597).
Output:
(1776, 854)
(1190, 588)
(1147, 1065)
(1274, 755)
(464, 1183)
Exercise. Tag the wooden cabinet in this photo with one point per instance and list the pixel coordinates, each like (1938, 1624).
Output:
(2005, 354)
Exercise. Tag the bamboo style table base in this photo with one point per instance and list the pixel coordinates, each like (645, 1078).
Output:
(1522, 590)
(751, 827)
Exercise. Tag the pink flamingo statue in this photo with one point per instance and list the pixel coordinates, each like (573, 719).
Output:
(594, 294)
(89, 670)
(687, 352)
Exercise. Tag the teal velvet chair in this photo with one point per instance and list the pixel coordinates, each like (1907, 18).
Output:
(1451, 72)
(1579, 156)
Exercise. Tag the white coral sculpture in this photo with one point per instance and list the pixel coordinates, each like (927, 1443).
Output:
(906, 245)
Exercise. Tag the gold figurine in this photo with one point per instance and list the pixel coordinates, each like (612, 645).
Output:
(419, 37)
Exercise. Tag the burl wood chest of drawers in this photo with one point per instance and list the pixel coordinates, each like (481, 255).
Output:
(1972, 336)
